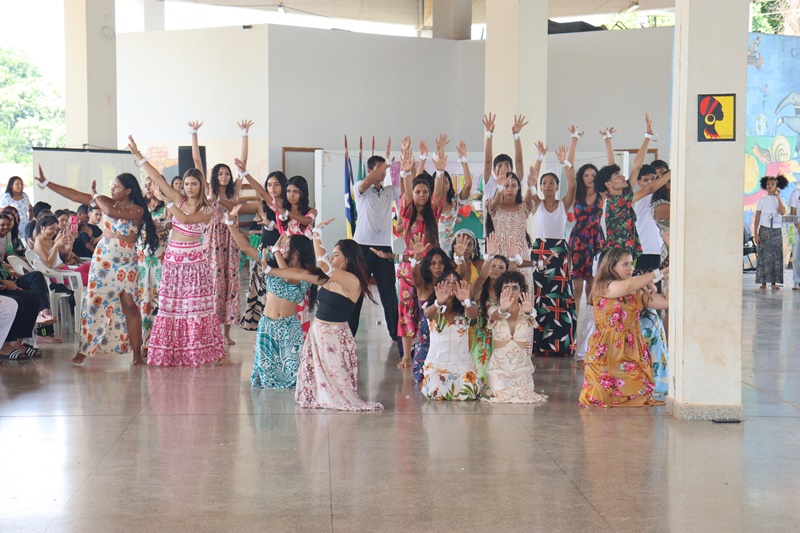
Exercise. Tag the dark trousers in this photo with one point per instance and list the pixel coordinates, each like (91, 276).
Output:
(36, 282)
(27, 311)
(383, 272)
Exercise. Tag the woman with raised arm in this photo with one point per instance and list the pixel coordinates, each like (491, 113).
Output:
(586, 238)
(186, 331)
(151, 261)
(433, 263)
(618, 370)
(554, 333)
(484, 296)
(419, 217)
(222, 252)
(279, 339)
(445, 198)
(768, 234)
(449, 373)
(466, 255)
(111, 321)
(273, 192)
(328, 375)
(510, 369)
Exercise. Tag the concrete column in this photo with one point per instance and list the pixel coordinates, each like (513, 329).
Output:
(705, 333)
(91, 77)
(516, 70)
(452, 19)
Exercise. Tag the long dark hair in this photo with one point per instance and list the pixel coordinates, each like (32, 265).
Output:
(457, 306)
(450, 193)
(356, 264)
(428, 220)
(11, 181)
(14, 223)
(518, 199)
(425, 266)
(580, 190)
(215, 180)
(301, 183)
(661, 194)
(281, 177)
(306, 258)
(136, 197)
(45, 221)
(485, 289)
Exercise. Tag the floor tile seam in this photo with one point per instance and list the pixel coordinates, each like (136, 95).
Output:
(771, 395)
(603, 518)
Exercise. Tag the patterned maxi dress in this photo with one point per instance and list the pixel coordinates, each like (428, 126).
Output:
(293, 227)
(510, 370)
(420, 348)
(150, 273)
(586, 238)
(481, 349)
(256, 295)
(618, 370)
(620, 219)
(279, 341)
(222, 254)
(512, 226)
(114, 269)
(449, 373)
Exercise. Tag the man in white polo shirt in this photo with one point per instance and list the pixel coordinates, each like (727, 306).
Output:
(374, 230)
(794, 206)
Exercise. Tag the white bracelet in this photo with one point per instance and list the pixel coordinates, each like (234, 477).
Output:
(488, 257)
(43, 185)
(658, 275)
(241, 173)
(533, 190)
(649, 135)
(516, 259)
(267, 269)
(275, 248)
(439, 307)
(413, 262)
(270, 226)
(405, 173)
(438, 174)
(607, 135)
(540, 157)
(489, 134)
(423, 157)
(170, 205)
(467, 303)
(193, 131)
(458, 259)
(504, 314)
(244, 132)
(316, 231)
(540, 264)
(141, 161)
(566, 164)
(229, 222)
(501, 188)
(516, 136)
(324, 260)
(576, 135)
(434, 157)
(285, 217)
(462, 160)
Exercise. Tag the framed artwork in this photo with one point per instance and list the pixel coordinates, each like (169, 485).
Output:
(716, 117)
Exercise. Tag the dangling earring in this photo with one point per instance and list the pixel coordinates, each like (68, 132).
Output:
(712, 121)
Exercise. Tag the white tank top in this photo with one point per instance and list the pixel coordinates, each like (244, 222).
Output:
(550, 225)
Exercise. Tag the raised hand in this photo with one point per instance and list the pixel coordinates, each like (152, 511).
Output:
(442, 292)
(441, 142)
(461, 292)
(573, 130)
(239, 164)
(441, 161)
(419, 245)
(460, 246)
(195, 125)
(132, 147)
(244, 124)
(407, 163)
(461, 149)
(389, 147)
(519, 123)
(235, 211)
(382, 254)
(488, 121)
(512, 247)
(541, 147)
(506, 299)
(609, 130)
(561, 153)
(320, 225)
(94, 187)
(40, 178)
(649, 123)
(532, 175)
(405, 146)
(526, 303)
(262, 215)
(423, 148)
(492, 246)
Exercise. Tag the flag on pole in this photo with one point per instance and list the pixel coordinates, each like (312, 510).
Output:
(361, 170)
(350, 214)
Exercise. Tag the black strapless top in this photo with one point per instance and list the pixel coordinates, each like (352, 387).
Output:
(333, 307)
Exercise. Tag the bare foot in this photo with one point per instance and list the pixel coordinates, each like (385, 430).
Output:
(138, 360)
(79, 358)
(229, 342)
(405, 362)
(49, 339)
(223, 362)
(763, 287)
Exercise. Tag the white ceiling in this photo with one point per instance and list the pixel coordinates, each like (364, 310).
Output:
(407, 11)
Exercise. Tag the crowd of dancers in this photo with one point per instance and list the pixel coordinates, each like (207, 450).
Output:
(467, 313)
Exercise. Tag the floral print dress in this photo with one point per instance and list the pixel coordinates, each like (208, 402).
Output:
(222, 254)
(114, 269)
(449, 373)
(586, 238)
(620, 219)
(618, 370)
(150, 266)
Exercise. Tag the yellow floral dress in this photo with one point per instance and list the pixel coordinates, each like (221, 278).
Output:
(114, 269)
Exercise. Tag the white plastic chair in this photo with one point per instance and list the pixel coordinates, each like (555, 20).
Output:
(21, 267)
(72, 280)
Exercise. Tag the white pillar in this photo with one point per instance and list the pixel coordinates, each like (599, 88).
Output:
(705, 333)
(153, 15)
(452, 19)
(516, 70)
(91, 73)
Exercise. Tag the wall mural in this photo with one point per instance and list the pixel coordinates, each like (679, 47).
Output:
(772, 141)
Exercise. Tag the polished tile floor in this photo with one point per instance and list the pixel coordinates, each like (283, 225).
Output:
(111, 447)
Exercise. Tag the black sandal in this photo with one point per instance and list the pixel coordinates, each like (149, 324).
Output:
(16, 355)
(32, 352)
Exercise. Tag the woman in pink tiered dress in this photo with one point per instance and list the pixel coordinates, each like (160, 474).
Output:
(186, 331)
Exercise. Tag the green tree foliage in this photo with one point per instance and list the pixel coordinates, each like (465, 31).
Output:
(767, 17)
(31, 109)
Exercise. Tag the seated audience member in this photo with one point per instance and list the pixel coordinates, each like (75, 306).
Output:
(51, 243)
(26, 230)
(95, 215)
(84, 243)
